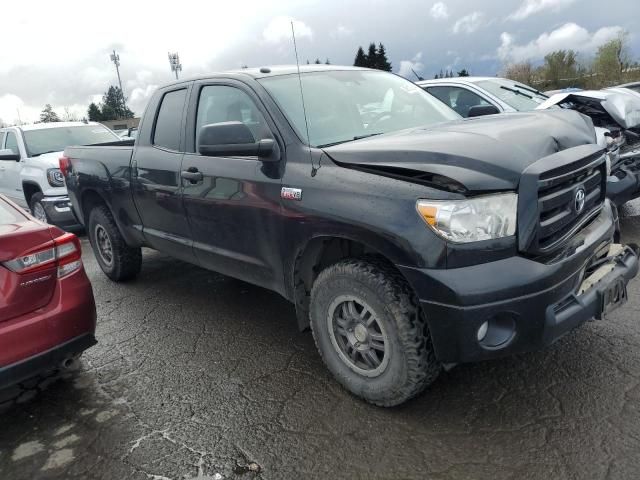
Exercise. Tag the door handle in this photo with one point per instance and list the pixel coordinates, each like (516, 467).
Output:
(192, 174)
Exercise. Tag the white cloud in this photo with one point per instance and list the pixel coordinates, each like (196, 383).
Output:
(439, 11)
(340, 32)
(531, 7)
(279, 29)
(407, 67)
(469, 23)
(568, 36)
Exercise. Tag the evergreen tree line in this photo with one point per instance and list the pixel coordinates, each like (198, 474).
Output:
(376, 57)
(112, 107)
(450, 74)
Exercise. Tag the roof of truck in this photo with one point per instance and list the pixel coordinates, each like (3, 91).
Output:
(42, 126)
(456, 80)
(270, 71)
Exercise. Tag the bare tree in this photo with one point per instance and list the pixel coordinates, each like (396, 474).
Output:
(611, 61)
(68, 116)
(522, 72)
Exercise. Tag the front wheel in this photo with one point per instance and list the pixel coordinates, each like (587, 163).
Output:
(117, 260)
(37, 208)
(371, 332)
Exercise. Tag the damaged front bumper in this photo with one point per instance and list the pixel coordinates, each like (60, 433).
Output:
(517, 304)
(623, 184)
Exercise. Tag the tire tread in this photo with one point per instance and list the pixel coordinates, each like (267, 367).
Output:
(422, 366)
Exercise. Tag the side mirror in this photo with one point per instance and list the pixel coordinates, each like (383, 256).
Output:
(8, 154)
(232, 139)
(482, 110)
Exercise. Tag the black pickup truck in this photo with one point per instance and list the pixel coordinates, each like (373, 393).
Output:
(408, 239)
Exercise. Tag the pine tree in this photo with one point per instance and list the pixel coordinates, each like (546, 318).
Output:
(317, 62)
(327, 62)
(382, 60)
(372, 56)
(94, 113)
(48, 115)
(114, 105)
(436, 77)
(463, 73)
(361, 58)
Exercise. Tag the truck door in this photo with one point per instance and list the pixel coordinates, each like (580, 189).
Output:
(156, 174)
(233, 209)
(11, 184)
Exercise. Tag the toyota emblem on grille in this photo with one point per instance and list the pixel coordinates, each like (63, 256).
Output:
(579, 200)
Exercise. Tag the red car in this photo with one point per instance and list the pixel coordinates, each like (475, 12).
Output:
(47, 310)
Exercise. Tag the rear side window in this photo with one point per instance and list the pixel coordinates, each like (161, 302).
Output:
(169, 122)
(460, 99)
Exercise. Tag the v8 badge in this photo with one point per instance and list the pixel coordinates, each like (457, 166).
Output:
(288, 193)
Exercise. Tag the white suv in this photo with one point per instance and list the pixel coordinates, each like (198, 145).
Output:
(29, 171)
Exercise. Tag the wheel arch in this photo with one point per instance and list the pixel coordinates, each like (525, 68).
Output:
(29, 189)
(320, 252)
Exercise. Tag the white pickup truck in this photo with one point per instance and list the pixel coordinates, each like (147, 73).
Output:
(29, 170)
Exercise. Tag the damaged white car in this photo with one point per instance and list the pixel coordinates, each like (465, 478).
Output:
(615, 115)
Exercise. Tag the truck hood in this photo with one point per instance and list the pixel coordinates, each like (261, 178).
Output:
(606, 108)
(475, 154)
(49, 160)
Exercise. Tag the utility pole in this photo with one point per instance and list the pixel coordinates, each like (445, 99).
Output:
(174, 61)
(115, 58)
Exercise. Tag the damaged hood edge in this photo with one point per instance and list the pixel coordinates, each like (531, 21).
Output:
(473, 155)
(624, 110)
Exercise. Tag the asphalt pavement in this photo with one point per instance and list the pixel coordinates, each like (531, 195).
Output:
(201, 376)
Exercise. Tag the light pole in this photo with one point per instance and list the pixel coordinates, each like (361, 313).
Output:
(115, 58)
(174, 61)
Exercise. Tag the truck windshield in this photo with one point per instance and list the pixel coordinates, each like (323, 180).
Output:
(517, 95)
(56, 139)
(342, 106)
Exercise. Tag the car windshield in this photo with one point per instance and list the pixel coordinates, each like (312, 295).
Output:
(518, 96)
(56, 139)
(347, 105)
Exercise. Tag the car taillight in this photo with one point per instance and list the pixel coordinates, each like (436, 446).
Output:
(66, 254)
(65, 165)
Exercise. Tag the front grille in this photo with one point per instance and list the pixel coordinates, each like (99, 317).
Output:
(559, 216)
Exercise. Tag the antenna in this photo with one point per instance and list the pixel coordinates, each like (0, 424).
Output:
(419, 77)
(304, 109)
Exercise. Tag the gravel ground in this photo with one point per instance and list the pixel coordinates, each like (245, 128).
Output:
(201, 376)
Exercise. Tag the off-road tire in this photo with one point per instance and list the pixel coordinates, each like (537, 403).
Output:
(412, 365)
(126, 261)
(36, 200)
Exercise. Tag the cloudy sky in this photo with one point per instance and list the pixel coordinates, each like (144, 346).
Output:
(58, 51)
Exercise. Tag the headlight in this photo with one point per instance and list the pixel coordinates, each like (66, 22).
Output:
(55, 177)
(472, 219)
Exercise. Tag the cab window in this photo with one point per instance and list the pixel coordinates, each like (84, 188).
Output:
(222, 103)
(12, 143)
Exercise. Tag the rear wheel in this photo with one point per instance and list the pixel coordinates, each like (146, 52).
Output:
(37, 208)
(117, 260)
(371, 333)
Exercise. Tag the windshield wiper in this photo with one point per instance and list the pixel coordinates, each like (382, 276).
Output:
(532, 90)
(43, 153)
(357, 137)
(360, 137)
(517, 92)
